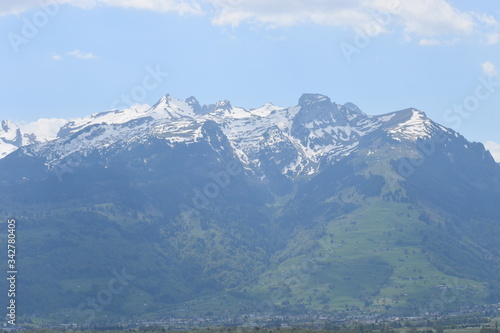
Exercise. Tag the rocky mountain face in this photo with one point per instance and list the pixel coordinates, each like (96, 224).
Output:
(314, 208)
(291, 141)
(10, 138)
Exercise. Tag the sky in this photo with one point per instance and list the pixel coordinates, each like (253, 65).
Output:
(71, 58)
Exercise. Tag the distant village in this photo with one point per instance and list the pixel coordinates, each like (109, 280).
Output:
(473, 316)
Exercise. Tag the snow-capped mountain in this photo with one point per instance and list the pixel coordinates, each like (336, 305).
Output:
(290, 141)
(217, 198)
(10, 138)
(13, 136)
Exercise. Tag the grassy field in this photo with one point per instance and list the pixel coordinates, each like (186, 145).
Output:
(379, 245)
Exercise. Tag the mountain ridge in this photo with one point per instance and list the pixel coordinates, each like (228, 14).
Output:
(316, 128)
(316, 208)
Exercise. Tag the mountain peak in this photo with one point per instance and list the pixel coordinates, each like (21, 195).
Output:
(10, 132)
(351, 112)
(195, 105)
(225, 104)
(165, 98)
(10, 138)
(411, 124)
(223, 193)
(353, 108)
(316, 127)
(7, 126)
(309, 99)
(168, 101)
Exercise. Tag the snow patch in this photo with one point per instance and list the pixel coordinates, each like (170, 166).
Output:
(418, 126)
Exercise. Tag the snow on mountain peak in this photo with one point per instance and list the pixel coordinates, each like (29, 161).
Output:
(106, 117)
(415, 126)
(169, 107)
(6, 149)
(10, 137)
(225, 104)
(13, 136)
(313, 131)
(266, 110)
(8, 131)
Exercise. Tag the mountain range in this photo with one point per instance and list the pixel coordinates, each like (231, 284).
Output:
(217, 210)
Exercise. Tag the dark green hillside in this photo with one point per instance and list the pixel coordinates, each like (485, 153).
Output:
(198, 232)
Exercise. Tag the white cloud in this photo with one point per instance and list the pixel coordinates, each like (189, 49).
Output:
(371, 18)
(433, 18)
(493, 38)
(491, 28)
(494, 149)
(429, 42)
(80, 55)
(425, 20)
(489, 69)
(56, 57)
(17, 7)
(487, 19)
(179, 6)
(76, 54)
(430, 22)
(437, 42)
(44, 129)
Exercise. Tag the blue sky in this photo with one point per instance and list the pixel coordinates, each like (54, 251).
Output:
(71, 58)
